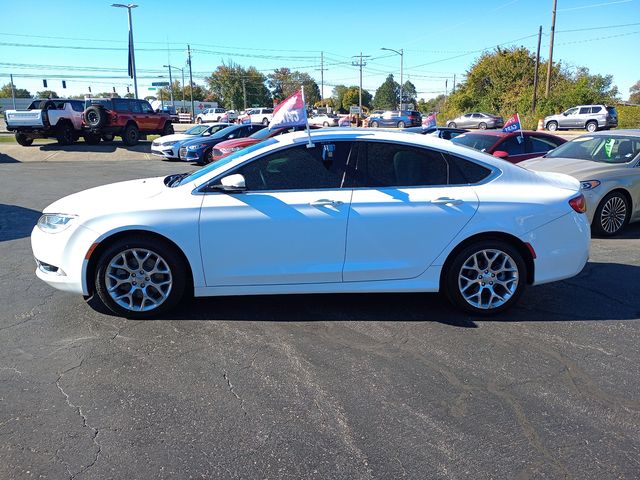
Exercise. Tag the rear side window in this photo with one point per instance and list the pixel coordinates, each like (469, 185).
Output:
(77, 106)
(584, 110)
(463, 171)
(596, 109)
(120, 104)
(512, 145)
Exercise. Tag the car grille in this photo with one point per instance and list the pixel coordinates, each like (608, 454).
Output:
(183, 152)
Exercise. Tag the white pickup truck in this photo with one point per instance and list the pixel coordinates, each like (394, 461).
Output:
(216, 115)
(57, 118)
(257, 115)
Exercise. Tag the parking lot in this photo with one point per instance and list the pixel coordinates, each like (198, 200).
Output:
(324, 386)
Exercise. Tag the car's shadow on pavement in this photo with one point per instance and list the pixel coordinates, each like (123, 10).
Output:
(16, 222)
(603, 291)
(4, 158)
(144, 146)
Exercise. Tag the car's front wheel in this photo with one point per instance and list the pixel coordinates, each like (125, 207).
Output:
(168, 129)
(131, 135)
(23, 140)
(265, 121)
(485, 277)
(139, 278)
(374, 124)
(451, 125)
(611, 216)
(552, 126)
(65, 135)
(199, 120)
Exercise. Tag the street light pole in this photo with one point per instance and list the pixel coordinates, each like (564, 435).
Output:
(132, 57)
(401, 53)
(182, 71)
(170, 81)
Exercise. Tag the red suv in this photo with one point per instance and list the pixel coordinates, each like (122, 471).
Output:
(128, 118)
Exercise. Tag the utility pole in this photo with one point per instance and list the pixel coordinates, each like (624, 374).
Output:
(535, 74)
(360, 64)
(170, 85)
(13, 92)
(549, 65)
(322, 69)
(132, 56)
(454, 83)
(244, 92)
(193, 112)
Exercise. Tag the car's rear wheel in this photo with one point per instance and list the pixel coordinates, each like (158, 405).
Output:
(265, 121)
(591, 126)
(131, 135)
(482, 126)
(611, 216)
(139, 278)
(325, 124)
(199, 120)
(401, 124)
(552, 126)
(485, 277)
(451, 125)
(23, 140)
(374, 124)
(92, 139)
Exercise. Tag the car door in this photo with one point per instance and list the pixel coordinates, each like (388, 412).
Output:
(406, 208)
(149, 120)
(569, 118)
(287, 227)
(467, 121)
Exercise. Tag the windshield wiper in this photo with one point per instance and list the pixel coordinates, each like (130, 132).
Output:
(174, 180)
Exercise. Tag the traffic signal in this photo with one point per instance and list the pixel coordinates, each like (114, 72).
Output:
(44, 83)
(127, 89)
(89, 89)
(64, 84)
(114, 89)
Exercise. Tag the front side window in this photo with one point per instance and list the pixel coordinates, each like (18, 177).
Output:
(571, 111)
(146, 107)
(120, 104)
(540, 144)
(512, 145)
(299, 168)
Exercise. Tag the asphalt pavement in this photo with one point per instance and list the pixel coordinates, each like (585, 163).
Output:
(310, 386)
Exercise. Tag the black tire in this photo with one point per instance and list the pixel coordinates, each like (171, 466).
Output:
(552, 126)
(167, 129)
(325, 124)
(199, 120)
(142, 289)
(95, 116)
(482, 126)
(92, 139)
(265, 121)
(374, 124)
(451, 125)
(478, 277)
(611, 215)
(108, 137)
(23, 140)
(207, 156)
(401, 124)
(130, 135)
(65, 134)
(591, 126)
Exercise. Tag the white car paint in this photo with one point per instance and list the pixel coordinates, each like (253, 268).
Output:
(361, 239)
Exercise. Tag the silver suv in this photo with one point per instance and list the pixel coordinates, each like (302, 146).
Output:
(589, 117)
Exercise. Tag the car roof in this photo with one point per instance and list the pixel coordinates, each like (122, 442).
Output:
(629, 132)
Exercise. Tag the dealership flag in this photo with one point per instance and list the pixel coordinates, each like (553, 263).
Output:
(291, 112)
(512, 124)
(429, 121)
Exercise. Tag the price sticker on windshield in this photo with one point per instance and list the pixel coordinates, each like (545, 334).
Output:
(608, 146)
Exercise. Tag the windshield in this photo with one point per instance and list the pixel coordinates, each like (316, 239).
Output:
(197, 130)
(262, 134)
(475, 141)
(224, 161)
(601, 148)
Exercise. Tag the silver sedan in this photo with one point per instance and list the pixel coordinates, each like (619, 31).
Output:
(476, 120)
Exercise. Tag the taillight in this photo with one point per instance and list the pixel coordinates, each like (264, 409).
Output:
(579, 203)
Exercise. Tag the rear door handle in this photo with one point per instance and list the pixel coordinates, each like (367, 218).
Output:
(446, 201)
(323, 202)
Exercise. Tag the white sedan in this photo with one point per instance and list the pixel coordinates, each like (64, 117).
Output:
(324, 120)
(353, 211)
(169, 145)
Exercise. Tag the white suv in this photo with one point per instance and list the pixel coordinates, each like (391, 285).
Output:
(589, 117)
(215, 115)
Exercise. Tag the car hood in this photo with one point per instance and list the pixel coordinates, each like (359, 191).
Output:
(174, 138)
(108, 198)
(580, 169)
(237, 142)
(211, 140)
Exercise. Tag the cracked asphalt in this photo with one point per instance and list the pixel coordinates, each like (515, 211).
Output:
(326, 386)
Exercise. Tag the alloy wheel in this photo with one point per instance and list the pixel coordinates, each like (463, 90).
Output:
(613, 214)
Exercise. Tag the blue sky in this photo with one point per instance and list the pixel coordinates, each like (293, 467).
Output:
(439, 39)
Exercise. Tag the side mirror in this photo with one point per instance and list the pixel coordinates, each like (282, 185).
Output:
(232, 183)
(500, 154)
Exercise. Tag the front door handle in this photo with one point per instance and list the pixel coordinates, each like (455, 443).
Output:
(323, 202)
(446, 201)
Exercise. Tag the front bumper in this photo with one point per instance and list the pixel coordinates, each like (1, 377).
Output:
(165, 152)
(191, 155)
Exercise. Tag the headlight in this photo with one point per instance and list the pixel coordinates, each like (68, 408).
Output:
(230, 149)
(196, 147)
(589, 184)
(168, 144)
(54, 222)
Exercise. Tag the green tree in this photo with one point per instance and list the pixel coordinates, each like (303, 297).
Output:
(386, 97)
(352, 97)
(5, 92)
(409, 93)
(47, 94)
(232, 85)
(435, 104)
(338, 95)
(634, 91)
(284, 83)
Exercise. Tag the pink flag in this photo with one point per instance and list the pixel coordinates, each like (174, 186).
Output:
(290, 112)
(429, 121)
